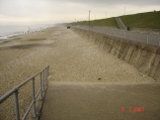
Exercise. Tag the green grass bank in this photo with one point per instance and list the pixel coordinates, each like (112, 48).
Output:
(149, 20)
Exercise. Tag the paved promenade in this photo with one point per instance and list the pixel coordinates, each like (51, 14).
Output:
(101, 101)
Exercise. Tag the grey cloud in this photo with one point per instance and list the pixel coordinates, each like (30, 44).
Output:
(114, 2)
(69, 9)
(19, 8)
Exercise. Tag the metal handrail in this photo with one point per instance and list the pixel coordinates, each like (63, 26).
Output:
(43, 87)
(147, 38)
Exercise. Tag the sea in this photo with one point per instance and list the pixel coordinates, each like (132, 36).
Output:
(7, 31)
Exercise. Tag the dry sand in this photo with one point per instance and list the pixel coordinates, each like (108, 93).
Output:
(71, 59)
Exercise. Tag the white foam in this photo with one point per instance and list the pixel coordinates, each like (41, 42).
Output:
(10, 31)
(3, 37)
(11, 35)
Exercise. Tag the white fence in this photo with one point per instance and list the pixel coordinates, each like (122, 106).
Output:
(147, 38)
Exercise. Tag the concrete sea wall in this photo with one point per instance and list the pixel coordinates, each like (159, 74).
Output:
(143, 57)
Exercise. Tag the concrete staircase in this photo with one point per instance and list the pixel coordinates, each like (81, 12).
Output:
(120, 24)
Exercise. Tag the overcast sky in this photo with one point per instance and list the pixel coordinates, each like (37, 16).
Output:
(58, 11)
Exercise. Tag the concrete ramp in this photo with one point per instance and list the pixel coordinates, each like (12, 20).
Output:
(120, 24)
(102, 101)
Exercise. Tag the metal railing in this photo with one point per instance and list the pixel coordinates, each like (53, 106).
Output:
(41, 93)
(147, 38)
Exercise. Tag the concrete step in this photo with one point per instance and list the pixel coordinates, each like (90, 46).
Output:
(101, 101)
(120, 24)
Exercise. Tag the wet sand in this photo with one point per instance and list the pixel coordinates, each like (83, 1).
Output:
(71, 59)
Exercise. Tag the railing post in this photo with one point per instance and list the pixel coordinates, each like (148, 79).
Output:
(46, 78)
(147, 38)
(159, 40)
(43, 80)
(47, 75)
(129, 36)
(33, 97)
(41, 85)
(16, 105)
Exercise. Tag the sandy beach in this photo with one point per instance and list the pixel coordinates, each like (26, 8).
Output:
(71, 59)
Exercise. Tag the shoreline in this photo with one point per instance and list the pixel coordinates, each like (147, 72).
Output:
(18, 32)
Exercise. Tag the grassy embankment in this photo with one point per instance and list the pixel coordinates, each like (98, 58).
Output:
(110, 22)
(140, 20)
(143, 20)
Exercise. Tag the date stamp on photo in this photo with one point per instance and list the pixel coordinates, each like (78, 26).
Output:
(133, 109)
